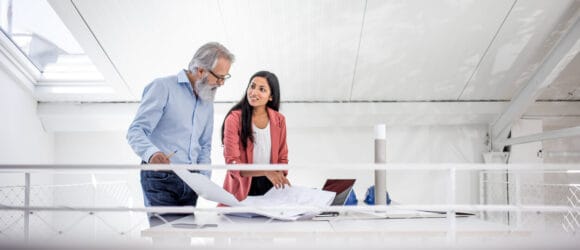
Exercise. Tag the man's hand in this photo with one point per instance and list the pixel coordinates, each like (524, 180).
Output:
(277, 178)
(159, 158)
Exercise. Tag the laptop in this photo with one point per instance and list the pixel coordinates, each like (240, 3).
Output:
(342, 188)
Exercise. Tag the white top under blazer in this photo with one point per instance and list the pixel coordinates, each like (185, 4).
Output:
(262, 144)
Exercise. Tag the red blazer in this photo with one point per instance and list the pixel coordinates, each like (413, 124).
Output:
(234, 152)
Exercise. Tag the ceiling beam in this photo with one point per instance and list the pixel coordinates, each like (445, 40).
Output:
(17, 64)
(80, 92)
(548, 135)
(561, 55)
(75, 22)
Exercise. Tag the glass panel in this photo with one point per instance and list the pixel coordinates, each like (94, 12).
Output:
(40, 34)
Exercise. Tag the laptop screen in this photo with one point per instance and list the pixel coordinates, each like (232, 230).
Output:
(341, 187)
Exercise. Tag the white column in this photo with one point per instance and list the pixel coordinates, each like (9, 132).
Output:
(380, 157)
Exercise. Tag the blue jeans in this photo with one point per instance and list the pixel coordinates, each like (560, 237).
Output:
(165, 188)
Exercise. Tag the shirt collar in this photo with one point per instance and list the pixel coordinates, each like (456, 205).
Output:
(182, 77)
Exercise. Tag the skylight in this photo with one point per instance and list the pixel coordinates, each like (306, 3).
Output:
(35, 28)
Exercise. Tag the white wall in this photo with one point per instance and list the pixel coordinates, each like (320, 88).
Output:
(324, 145)
(22, 137)
(405, 144)
(563, 150)
(99, 147)
(24, 140)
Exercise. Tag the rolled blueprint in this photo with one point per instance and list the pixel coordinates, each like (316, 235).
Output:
(380, 157)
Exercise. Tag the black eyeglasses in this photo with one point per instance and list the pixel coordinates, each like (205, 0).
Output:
(222, 78)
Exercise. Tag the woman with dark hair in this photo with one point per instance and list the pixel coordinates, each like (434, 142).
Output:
(255, 132)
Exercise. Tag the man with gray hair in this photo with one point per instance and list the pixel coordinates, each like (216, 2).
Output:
(174, 124)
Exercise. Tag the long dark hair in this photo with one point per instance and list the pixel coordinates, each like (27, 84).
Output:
(247, 109)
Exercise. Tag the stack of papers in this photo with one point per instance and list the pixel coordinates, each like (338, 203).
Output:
(290, 197)
(279, 204)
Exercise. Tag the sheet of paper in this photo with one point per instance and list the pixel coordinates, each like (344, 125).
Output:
(206, 188)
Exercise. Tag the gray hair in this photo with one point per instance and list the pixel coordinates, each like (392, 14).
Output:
(206, 56)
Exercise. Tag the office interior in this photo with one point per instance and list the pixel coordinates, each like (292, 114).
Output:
(456, 83)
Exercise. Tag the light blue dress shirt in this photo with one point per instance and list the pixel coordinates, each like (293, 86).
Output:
(171, 118)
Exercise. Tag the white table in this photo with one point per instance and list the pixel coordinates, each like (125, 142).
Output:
(212, 224)
(341, 231)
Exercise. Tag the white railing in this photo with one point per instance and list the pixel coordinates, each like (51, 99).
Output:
(570, 211)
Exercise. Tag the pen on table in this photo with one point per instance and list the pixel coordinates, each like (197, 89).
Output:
(173, 153)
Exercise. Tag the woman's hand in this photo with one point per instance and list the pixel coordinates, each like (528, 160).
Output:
(277, 178)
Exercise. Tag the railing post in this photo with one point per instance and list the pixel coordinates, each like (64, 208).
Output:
(26, 206)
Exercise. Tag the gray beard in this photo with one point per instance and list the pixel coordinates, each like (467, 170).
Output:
(204, 90)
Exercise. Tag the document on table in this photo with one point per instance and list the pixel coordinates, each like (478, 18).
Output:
(392, 214)
(206, 188)
(290, 196)
(293, 196)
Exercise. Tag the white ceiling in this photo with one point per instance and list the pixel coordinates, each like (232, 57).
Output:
(332, 51)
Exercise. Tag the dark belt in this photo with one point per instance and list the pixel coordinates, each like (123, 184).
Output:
(162, 171)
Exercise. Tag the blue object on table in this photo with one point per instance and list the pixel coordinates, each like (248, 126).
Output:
(351, 199)
(370, 196)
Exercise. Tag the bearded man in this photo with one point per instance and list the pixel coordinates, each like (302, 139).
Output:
(174, 124)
